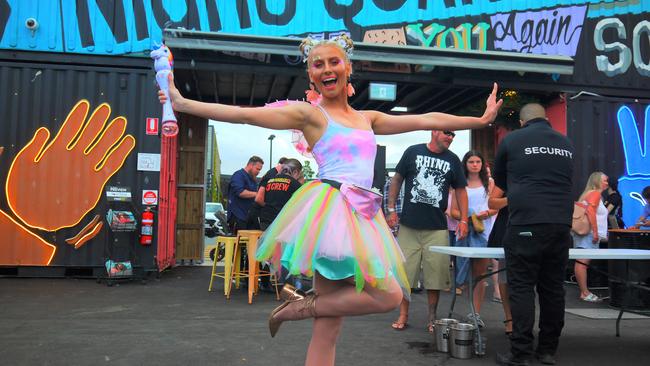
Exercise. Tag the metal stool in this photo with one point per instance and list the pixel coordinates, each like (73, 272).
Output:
(250, 237)
(230, 244)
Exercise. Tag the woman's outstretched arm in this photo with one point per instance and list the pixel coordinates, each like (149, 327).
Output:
(386, 124)
(292, 116)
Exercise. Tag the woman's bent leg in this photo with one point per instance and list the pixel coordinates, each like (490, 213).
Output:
(346, 301)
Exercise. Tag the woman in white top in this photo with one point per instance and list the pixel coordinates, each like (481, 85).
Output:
(478, 189)
(597, 214)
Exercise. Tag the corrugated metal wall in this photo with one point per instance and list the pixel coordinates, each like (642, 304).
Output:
(593, 127)
(37, 95)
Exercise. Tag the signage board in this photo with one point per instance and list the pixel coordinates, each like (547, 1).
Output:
(148, 162)
(150, 197)
(383, 91)
(152, 126)
(118, 194)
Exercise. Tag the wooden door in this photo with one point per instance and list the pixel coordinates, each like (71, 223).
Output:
(191, 188)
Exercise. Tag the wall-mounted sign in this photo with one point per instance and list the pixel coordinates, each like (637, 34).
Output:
(149, 162)
(383, 91)
(150, 197)
(115, 193)
(152, 126)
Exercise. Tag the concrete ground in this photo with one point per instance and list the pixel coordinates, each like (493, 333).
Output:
(174, 320)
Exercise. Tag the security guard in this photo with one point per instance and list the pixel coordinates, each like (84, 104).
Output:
(535, 166)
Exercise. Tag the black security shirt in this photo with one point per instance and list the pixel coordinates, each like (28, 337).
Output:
(534, 165)
(427, 177)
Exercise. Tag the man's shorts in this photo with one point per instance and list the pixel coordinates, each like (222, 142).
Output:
(415, 246)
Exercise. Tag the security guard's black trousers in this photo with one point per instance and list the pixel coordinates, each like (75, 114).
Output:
(536, 257)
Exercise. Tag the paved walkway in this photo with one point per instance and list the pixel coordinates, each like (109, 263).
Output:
(176, 321)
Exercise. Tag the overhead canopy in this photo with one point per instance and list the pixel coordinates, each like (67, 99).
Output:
(213, 69)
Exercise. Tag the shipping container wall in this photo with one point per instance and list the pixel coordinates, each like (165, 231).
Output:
(63, 144)
(608, 39)
(611, 135)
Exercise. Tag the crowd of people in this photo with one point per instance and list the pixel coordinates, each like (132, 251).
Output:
(363, 261)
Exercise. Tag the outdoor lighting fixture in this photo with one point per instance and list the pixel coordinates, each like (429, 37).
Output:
(399, 109)
(271, 149)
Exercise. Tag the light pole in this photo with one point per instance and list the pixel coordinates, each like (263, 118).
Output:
(271, 149)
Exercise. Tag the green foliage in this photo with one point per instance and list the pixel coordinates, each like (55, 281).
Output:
(509, 112)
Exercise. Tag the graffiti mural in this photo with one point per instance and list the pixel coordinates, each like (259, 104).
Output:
(53, 183)
(608, 38)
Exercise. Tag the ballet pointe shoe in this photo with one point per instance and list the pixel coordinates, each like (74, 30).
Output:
(304, 307)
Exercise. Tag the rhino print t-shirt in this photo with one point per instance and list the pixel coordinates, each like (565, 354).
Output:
(427, 178)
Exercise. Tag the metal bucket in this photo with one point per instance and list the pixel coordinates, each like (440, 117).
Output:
(461, 340)
(441, 333)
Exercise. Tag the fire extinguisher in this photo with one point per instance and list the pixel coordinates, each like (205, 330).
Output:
(146, 227)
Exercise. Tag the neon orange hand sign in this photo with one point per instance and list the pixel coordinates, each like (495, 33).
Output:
(52, 185)
(21, 247)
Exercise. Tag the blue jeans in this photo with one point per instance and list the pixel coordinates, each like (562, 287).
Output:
(472, 240)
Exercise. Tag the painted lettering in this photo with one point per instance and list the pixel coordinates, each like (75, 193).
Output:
(423, 37)
(276, 19)
(459, 37)
(390, 5)
(83, 22)
(441, 40)
(140, 15)
(480, 32)
(555, 31)
(452, 3)
(626, 55)
(159, 14)
(642, 28)
(116, 18)
(5, 11)
(113, 13)
(244, 14)
(345, 12)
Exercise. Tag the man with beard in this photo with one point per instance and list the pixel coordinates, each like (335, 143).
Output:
(428, 170)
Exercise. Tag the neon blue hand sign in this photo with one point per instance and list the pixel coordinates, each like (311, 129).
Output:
(637, 163)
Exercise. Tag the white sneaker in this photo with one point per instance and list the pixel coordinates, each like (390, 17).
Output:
(476, 317)
(591, 298)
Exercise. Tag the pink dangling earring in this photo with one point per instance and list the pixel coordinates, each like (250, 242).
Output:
(351, 90)
(312, 95)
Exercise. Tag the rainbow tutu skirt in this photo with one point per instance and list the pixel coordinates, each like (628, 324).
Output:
(317, 230)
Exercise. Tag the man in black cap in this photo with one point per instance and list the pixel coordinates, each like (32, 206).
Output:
(534, 165)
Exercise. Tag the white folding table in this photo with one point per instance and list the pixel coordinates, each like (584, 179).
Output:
(614, 254)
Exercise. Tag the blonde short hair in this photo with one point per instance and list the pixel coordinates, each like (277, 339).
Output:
(342, 41)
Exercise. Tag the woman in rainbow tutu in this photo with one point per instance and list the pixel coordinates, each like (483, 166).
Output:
(332, 228)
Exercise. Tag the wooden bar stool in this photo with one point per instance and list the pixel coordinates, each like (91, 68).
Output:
(251, 237)
(230, 244)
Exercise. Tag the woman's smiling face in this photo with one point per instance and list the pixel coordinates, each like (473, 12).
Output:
(328, 69)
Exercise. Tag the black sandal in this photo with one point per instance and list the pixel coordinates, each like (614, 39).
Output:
(508, 333)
